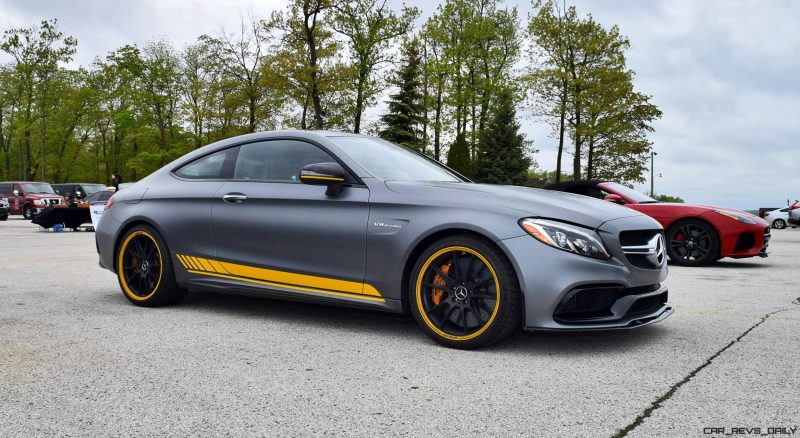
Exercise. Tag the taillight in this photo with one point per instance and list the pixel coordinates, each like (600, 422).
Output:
(110, 202)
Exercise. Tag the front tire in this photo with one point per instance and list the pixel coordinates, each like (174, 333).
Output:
(144, 269)
(464, 293)
(779, 224)
(692, 242)
(27, 212)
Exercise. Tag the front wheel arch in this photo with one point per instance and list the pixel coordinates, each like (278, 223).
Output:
(715, 234)
(427, 241)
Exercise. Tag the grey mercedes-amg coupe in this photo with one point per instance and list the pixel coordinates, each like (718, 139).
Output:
(354, 220)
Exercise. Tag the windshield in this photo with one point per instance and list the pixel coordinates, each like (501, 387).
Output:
(92, 188)
(37, 189)
(391, 162)
(629, 193)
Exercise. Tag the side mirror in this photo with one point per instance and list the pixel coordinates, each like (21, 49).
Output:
(324, 174)
(612, 197)
(16, 192)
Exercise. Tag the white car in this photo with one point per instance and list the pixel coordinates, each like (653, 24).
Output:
(778, 219)
(794, 214)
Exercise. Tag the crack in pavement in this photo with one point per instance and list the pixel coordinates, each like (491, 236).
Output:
(660, 401)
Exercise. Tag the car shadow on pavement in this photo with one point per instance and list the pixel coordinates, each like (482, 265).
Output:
(380, 324)
(738, 264)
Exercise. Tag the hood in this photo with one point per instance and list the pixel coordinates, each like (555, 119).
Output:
(578, 209)
(700, 209)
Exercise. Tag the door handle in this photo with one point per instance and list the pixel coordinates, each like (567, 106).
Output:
(234, 198)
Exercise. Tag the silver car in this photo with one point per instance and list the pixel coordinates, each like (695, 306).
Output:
(353, 220)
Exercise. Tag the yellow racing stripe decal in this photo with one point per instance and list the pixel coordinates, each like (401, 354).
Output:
(290, 280)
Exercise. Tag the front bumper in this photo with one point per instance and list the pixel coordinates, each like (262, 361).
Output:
(551, 278)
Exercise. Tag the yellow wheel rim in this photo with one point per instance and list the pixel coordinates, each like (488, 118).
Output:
(458, 298)
(137, 263)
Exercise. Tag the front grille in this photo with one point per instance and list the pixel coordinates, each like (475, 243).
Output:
(641, 250)
(596, 301)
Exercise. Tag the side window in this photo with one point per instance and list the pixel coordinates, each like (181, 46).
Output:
(5, 189)
(214, 166)
(784, 210)
(277, 160)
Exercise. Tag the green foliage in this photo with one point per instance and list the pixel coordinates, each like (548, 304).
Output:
(668, 198)
(458, 157)
(585, 91)
(370, 28)
(321, 64)
(502, 158)
(401, 124)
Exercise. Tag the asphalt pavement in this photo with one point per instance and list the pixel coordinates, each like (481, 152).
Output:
(76, 359)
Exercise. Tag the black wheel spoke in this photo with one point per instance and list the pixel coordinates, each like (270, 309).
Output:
(477, 313)
(470, 295)
(480, 283)
(442, 275)
(142, 265)
(456, 267)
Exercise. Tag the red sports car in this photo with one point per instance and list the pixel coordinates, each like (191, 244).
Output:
(696, 235)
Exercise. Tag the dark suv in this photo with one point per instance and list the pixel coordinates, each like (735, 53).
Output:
(28, 198)
(78, 190)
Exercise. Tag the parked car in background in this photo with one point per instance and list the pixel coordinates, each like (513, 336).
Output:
(794, 214)
(778, 218)
(28, 198)
(762, 211)
(78, 190)
(100, 197)
(696, 234)
(3, 209)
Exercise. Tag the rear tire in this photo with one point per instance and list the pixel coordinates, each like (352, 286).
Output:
(779, 224)
(144, 269)
(464, 293)
(692, 242)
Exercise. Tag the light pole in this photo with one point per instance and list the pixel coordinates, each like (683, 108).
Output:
(652, 154)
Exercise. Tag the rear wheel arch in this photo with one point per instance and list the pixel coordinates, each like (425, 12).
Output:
(124, 230)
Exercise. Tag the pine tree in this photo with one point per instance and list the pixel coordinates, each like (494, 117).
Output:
(403, 121)
(458, 156)
(501, 155)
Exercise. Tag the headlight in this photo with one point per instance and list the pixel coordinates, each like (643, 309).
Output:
(567, 237)
(40, 202)
(737, 217)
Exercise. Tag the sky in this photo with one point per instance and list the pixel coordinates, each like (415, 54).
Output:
(725, 73)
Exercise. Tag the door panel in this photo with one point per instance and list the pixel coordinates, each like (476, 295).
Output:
(292, 227)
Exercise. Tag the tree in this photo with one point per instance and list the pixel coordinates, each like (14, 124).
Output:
(370, 28)
(238, 59)
(402, 123)
(458, 156)
(668, 198)
(584, 90)
(307, 66)
(502, 157)
(37, 53)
